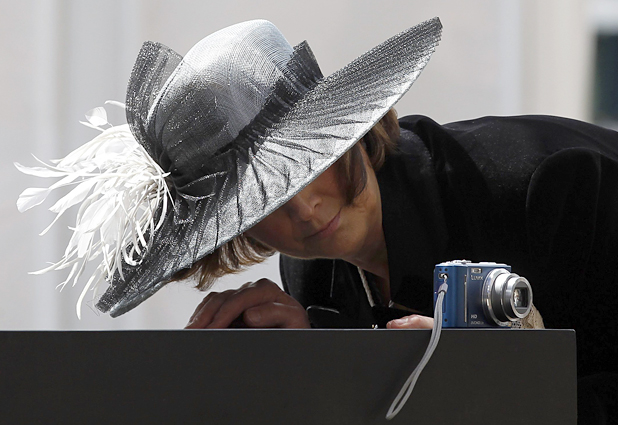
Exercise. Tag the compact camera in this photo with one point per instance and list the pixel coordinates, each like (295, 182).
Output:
(481, 295)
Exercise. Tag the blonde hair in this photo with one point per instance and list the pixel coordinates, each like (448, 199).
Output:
(244, 251)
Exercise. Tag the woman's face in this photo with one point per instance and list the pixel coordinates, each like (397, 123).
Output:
(318, 222)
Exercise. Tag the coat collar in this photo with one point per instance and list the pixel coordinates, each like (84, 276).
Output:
(413, 221)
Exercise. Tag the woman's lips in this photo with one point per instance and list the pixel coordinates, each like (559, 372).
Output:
(330, 228)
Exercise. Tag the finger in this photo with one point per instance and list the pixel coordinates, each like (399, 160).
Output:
(207, 309)
(273, 290)
(248, 296)
(200, 305)
(276, 315)
(414, 321)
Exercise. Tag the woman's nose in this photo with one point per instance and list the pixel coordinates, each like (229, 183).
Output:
(302, 206)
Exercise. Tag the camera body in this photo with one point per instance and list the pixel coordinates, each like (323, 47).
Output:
(481, 295)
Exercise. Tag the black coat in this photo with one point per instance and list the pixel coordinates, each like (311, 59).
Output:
(538, 193)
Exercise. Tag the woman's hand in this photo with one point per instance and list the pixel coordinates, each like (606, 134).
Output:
(415, 321)
(260, 304)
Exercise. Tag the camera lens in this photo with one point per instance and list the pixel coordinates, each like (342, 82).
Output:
(520, 298)
(507, 297)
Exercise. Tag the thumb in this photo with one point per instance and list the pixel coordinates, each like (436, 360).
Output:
(415, 321)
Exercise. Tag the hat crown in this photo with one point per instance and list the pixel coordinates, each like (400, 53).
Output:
(224, 80)
(241, 64)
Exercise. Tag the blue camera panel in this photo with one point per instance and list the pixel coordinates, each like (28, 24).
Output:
(481, 295)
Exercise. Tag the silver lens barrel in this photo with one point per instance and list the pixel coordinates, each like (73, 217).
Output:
(506, 297)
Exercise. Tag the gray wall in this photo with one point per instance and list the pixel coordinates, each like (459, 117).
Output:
(62, 58)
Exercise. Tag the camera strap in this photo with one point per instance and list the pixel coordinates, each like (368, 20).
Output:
(408, 386)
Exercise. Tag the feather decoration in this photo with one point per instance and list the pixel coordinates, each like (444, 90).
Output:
(120, 188)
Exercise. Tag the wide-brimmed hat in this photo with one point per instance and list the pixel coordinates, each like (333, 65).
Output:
(229, 133)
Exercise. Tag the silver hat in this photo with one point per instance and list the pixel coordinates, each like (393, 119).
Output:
(239, 126)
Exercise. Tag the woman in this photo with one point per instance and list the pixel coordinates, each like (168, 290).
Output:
(453, 191)
(242, 148)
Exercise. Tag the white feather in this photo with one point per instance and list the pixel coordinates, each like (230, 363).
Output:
(97, 117)
(31, 197)
(119, 189)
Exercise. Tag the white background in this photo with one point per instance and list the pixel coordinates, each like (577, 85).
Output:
(62, 58)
